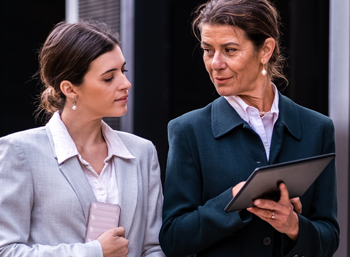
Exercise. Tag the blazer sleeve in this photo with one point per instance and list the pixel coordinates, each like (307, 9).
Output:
(151, 246)
(189, 226)
(16, 203)
(320, 230)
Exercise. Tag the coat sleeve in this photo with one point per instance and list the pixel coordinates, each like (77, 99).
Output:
(16, 203)
(320, 229)
(151, 246)
(189, 225)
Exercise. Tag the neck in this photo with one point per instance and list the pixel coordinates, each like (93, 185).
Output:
(83, 129)
(260, 98)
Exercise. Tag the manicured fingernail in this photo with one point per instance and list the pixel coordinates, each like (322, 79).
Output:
(257, 202)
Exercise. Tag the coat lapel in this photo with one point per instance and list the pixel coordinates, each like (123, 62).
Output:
(127, 179)
(224, 118)
(288, 119)
(74, 174)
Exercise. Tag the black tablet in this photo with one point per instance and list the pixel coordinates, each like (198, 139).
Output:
(263, 183)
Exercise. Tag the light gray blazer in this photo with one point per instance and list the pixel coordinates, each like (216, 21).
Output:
(44, 207)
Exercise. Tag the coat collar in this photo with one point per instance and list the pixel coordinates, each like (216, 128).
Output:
(289, 116)
(224, 118)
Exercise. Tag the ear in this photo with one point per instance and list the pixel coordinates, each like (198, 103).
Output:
(68, 89)
(267, 50)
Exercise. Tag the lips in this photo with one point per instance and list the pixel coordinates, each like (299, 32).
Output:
(222, 80)
(122, 99)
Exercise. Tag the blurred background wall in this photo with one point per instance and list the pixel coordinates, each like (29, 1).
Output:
(165, 63)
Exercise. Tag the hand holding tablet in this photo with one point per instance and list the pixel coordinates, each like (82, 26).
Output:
(264, 182)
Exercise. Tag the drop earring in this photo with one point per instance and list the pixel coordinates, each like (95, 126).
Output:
(74, 107)
(263, 72)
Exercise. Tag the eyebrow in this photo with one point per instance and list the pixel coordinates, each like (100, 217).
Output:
(113, 69)
(223, 45)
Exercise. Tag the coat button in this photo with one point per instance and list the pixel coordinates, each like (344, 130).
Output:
(267, 241)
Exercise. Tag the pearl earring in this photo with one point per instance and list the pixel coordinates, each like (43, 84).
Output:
(263, 72)
(74, 107)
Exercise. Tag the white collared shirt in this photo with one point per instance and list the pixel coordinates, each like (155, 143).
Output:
(104, 186)
(263, 126)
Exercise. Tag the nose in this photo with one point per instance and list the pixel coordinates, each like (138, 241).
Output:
(218, 61)
(125, 84)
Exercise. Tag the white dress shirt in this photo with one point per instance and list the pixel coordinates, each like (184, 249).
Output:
(105, 185)
(263, 126)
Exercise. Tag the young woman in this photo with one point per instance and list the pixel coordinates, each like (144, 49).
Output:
(50, 175)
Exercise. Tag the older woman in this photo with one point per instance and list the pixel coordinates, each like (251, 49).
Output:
(214, 149)
(49, 176)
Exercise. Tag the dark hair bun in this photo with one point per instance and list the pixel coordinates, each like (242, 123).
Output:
(51, 101)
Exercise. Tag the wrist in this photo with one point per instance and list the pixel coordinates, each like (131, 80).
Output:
(294, 232)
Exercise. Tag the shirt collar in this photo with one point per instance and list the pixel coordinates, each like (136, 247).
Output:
(65, 147)
(242, 108)
(115, 145)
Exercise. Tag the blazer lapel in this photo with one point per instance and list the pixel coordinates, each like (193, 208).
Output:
(74, 174)
(127, 179)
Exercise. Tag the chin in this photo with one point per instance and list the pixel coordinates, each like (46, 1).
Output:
(116, 113)
(224, 91)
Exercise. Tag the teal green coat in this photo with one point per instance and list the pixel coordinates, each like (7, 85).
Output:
(211, 150)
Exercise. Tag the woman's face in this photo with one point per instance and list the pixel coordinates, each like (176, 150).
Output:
(233, 64)
(104, 91)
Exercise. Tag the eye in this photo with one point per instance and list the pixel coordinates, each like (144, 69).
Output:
(230, 50)
(109, 79)
(124, 70)
(207, 51)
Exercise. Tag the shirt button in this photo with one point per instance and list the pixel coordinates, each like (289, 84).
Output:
(267, 241)
(102, 192)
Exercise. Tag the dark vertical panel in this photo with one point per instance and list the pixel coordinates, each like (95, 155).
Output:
(25, 25)
(284, 8)
(191, 87)
(309, 43)
(151, 74)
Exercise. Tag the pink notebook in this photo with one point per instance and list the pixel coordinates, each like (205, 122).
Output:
(102, 217)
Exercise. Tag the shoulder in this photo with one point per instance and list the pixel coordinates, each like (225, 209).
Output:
(308, 116)
(25, 144)
(26, 137)
(193, 118)
(135, 144)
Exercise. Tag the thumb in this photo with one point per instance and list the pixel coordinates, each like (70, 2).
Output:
(119, 231)
(284, 200)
